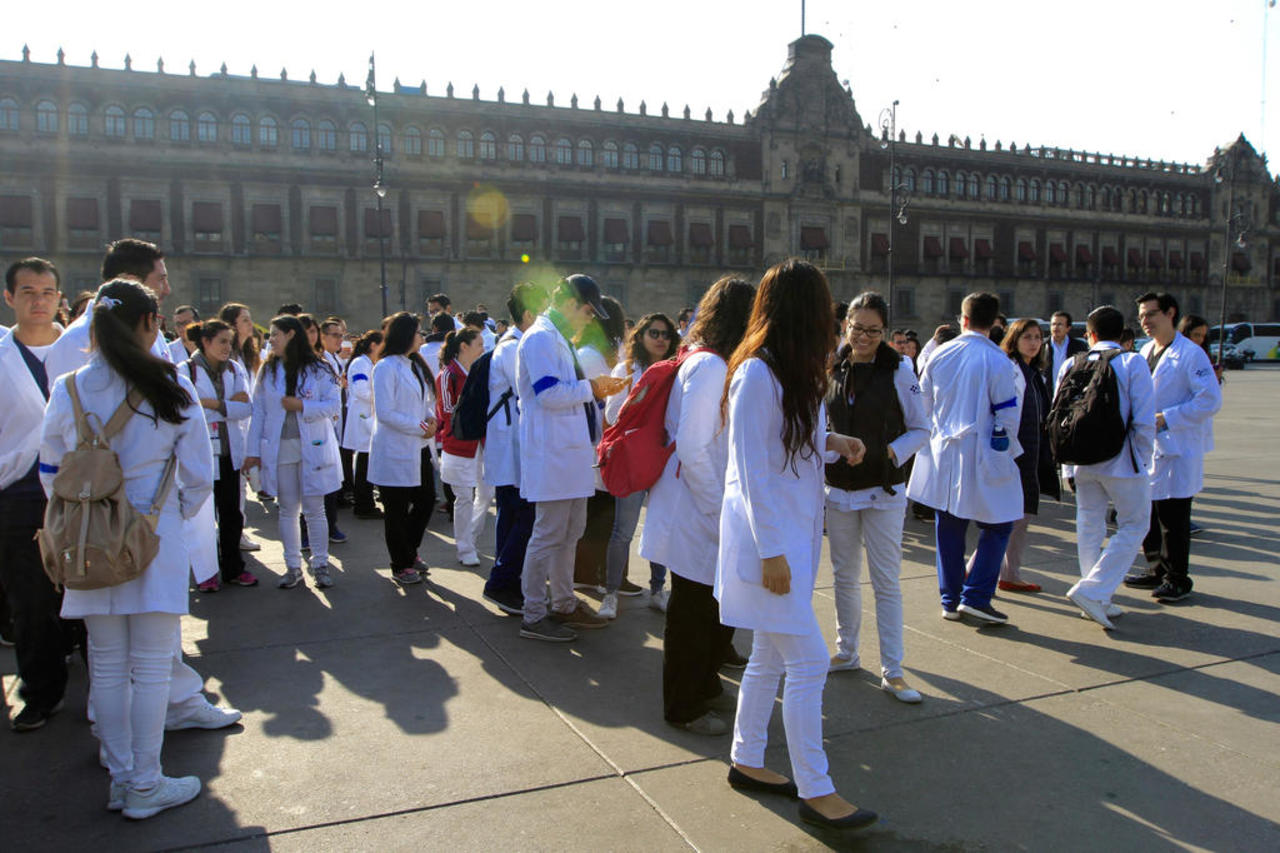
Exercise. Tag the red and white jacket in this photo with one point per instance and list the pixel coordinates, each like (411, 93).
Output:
(449, 382)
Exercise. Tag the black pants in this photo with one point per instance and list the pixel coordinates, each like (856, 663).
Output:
(226, 503)
(361, 487)
(515, 525)
(42, 639)
(1168, 543)
(591, 555)
(406, 511)
(693, 647)
(348, 468)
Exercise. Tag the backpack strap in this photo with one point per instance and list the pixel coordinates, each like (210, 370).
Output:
(166, 485)
(122, 414)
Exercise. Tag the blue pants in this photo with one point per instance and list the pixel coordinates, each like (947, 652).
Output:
(515, 524)
(976, 589)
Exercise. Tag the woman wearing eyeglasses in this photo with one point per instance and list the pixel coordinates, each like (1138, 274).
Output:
(873, 395)
(652, 340)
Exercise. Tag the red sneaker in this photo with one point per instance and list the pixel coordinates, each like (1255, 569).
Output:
(211, 585)
(244, 579)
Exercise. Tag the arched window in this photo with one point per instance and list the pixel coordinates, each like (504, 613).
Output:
(114, 121)
(435, 142)
(630, 156)
(1166, 204)
(609, 154)
(943, 184)
(179, 126)
(358, 137)
(327, 135)
(1064, 194)
(698, 161)
(1142, 202)
(926, 181)
(655, 157)
(961, 184)
(564, 151)
(992, 188)
(1005, 186)
(466, 145)
(241, 130)
(300, 134)
(46, 117)
(1090, 197)
(488, 146)
(715, 164)
(515, 148)
(537, 149)
(1179, 205)
(384, 137)
(1106, 198)
(9, 115)
(1021, 191)
(586, 153)
(78, 120)
(268, 132)
(973, 185)
(1050, 195)
(206, 127)
(413, 141)
(1035, 191)
(144, 124)
(675, 159)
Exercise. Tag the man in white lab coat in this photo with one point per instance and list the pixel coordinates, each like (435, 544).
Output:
(559, 426)
(967, 472)
(1187, 396)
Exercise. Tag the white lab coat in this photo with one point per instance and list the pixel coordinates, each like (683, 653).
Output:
(682, 527)
(318, 390)
(1137, 402)
(358, 429)
(236, 421)
(502, 435)
(178, 351)
(400, 405)
(71, 350)
(557, 457)
(958, 471)
(20, 416)
(1188, 394)
(143, 447)
(769, 509)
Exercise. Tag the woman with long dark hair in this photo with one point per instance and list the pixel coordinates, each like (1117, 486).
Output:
(244, 343)
(223, 390)
(653, 339)
(313, 329)
(771, 532)
(132, 625)
(682, 528)
(358, 428)
(399, 454)
(291, 438)
(873, 396)
(461, 462)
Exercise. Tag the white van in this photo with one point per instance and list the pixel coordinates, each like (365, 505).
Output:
(1255, 341)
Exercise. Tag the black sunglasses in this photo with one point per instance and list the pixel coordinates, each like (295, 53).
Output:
(656, 334)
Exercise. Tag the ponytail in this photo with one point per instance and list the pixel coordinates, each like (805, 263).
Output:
(121, 306)
(453, 342)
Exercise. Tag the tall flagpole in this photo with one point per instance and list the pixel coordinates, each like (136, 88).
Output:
(801, 17)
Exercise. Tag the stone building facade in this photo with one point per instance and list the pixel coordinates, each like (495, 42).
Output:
(261, 190)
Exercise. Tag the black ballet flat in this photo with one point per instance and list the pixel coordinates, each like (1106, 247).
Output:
(742, 782)
(858, 820)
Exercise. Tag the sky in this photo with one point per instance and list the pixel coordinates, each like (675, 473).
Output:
(1166, 80)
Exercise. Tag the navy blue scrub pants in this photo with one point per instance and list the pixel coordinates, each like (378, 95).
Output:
(976, 589)
(514, 526)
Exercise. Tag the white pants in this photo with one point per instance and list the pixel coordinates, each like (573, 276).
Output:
(880, 532)
(1102, 571)
(471, 498)
(803, 657)
(557, 527)
(130, 661)
(293, 503)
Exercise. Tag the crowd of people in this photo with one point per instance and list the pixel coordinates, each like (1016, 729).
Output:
(786, 418)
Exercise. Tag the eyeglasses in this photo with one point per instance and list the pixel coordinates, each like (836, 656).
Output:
(856, 331)
(658, 334)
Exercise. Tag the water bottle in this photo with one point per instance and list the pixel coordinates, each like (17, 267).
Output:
(999, 439)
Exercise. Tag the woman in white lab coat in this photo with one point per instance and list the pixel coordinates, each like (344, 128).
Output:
(132, 625)
(399, 454)
(223, 390)
(291, 438)
(682, 527)
(771, 532)
(461, 462)
(358, 428)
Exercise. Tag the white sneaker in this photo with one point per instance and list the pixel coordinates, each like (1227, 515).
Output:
(658, 600)
(207, 716)
(166, 794)
(115, 797)
(842, 664)
(469, 560)
(1095, 609)
(1114, 611)
(247, 544)
(608, 607)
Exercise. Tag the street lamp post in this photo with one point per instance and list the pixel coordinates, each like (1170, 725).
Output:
(379, 187)
(899, 192)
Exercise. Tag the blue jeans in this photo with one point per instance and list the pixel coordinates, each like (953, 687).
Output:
(515, 524)
(976, 589)
(625, 518)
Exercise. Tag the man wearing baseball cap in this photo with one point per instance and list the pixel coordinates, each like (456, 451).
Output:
(559, 425)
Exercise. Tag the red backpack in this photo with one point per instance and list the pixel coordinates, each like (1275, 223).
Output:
(634, 449)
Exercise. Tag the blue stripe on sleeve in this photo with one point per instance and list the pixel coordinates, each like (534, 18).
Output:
(360, 376)
(46, 468)
(544, 383)
(1007, 404)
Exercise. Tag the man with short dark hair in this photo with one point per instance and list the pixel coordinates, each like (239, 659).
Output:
(966, 472)
(1122, 480)
(289, 309)
(183, 316)
(1059, 349)
(478, 321)
(898, 340)
(683, 319)
(1187, 396)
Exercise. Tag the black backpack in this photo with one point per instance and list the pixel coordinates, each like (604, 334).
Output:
(472, 413)
(1084, 423)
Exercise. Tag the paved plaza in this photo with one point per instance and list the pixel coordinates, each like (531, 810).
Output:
(385, 718)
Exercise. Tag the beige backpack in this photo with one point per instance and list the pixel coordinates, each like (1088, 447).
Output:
(92, 536)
